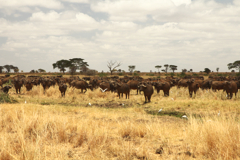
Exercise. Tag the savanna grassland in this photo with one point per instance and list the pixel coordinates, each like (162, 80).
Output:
(47, 126)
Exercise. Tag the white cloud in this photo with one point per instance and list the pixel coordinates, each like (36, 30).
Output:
(190, 34)
(54, 4)
(77, 1)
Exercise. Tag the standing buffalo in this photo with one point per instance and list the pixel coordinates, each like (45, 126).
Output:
(192, 86)
(230, 87)
(165, 86)
(123, 88)
(18, 83)
(147, 90)
(83, 85)
(133, 84)
(62, 88)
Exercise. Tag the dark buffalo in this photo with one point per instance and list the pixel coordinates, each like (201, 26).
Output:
(133, 84)
(165, 86)
(217, 85)
(230, 87)
(62, 88)
(192, 86)
(206, 84)
(123, 88)
(83, 85)
(18, 83)
(147, 90)
(6, 89)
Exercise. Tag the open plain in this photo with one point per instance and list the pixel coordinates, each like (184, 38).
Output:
(97, 125)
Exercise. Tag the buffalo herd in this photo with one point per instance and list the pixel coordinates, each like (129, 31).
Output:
(123, 85)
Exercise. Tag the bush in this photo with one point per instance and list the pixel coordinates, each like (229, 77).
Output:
(172, 74)
(102, 75)
(238, 74)
(5, 98)
(183, 74)
(195, 75)
(151, 74)
(135, 74)
(120, 74)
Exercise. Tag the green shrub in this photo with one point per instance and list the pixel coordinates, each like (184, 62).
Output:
(135, 74)
(102, 75)
(172, 74)
(120, 74)
(150, 74)
(183, 74)
(9, 83)
(5, 98)
(195, 75)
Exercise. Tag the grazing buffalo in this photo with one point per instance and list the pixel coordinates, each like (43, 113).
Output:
(6, 89)
(83, 85)
(46, 83)
(147, 90)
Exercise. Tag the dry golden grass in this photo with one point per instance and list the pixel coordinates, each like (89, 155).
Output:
(51, 127)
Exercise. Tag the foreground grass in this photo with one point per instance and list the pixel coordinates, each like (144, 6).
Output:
(51, 127)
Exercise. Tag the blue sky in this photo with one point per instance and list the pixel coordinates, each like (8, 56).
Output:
(190, 34)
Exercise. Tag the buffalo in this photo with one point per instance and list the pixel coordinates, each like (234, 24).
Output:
(123, 88)
(147, 90)
(192, 86)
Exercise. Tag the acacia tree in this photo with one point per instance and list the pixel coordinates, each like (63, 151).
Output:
(113, 65)
(217, 69)
(234, 65)
(184, 70)
(158, 67)
(79, 64)
(1, 68)
(84, 67)
(15, 69)
(41, 70)
(8, 67)
(166, 67)
(207, 70)
(173, 67)
(62, 64)
(190, 70)
(131, 68)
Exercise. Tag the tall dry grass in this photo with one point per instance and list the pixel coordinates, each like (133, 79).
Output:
(49, 126)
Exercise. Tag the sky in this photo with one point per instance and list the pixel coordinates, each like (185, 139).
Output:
(191, 34)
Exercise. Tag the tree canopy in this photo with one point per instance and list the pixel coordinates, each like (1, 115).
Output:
(62, 64)
(1, 68)
(73, 64)
(131, 68)
(207, 70)
(234, 65)
(166, 67)
(158, 67)
(173, 67)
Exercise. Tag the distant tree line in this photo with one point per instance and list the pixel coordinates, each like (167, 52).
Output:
(73, 65)
(9, 68)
